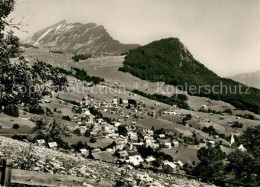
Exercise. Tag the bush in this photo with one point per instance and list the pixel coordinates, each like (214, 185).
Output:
(79, 57)
(11, 111)
(36, 110)
(93, 139)
(236, 124)
(67, 118)
(122, 130)
(77, 132)
(87, 133)
(16, 126)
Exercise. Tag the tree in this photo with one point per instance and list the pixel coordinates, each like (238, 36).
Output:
(16, 126)
(211, 162)
(251, 140)
(122, 130)
(244, 167)
(93, 139)
(87, 133)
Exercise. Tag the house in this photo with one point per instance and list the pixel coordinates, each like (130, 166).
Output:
(150, 159)
(52, 145)
(125, 101)
(84, 152)
(41, 142)
(114, 101)
(123, 154)
(175, 143)
(133, 136)
(116, 124)
(103, 156)
(242, 148)
(167, 145)
(151, 143)
(172, 113)
(135, 160)
(180, 163)
(212, 142)
(110, 150)
(161, 135)
(96, 150)
(204, 106)
(82, 129)
(171, 164)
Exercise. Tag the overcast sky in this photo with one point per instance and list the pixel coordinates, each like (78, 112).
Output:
(221, 34)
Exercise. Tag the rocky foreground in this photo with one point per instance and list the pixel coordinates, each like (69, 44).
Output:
(31, 157)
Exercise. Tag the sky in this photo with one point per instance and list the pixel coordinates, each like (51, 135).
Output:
(224, 35)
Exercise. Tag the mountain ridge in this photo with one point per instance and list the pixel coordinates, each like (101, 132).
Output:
(251, 78)
(169, 61)
(89, 38)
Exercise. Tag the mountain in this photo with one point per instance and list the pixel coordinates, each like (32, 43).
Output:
(168, 60)
(251, 79)
(78, 38)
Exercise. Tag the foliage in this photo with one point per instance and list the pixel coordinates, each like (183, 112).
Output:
(244, 167)
(236, 124)
(169, 61)
(36, 110)
(67, 118)
(247, 116)
(211, 162)
(77, 132)
(83, 76)
(11, 111)
(52, 131)
(251, 140)
(77, 58)
(148, 151)
(122, 130)
(16, 126)
(93, 139)
(210, 130)
(176, 99)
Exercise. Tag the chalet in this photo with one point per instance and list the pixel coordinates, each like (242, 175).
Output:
(96, 150)
(212, 142)
(242, 148)
(125, 101)
(123, 154)
(175, 143)
(110, 150)
(150, 159)
(84, 152)
(82, 129)
(167, 145)
(114, 101)
(161, 135)
(52, 145)
(180, 163)
(41, 142)
(116, 124)
(133, 136)
(170, 164)
(135, 160)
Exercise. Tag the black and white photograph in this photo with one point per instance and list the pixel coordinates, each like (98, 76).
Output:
(129, 93)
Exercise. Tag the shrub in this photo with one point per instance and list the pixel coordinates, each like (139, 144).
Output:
(36, 110)
(77, 132)
(67, 118)
(236, 124)
(93, 139)
(16, 126)
(11, 111)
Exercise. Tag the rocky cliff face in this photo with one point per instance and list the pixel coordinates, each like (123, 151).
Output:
(78, 38)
